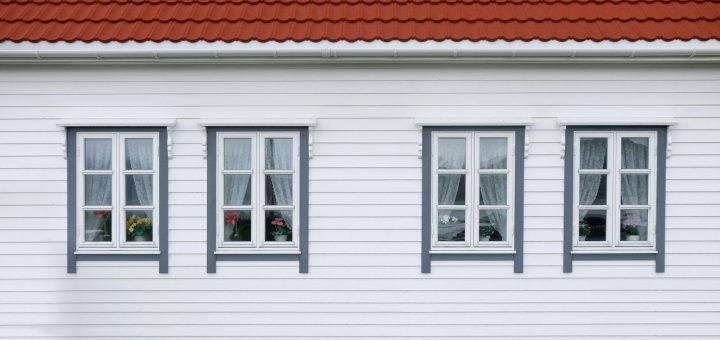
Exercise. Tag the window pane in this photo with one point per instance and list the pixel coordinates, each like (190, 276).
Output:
(238, 153)
(98, 154)
(278, 154)
(451, 189)
(493, 225)
(98, 226)
(451, 153)
(279, 189)
(593, 189)
(493, 153)
(138, 190)
(634, 225)
(634, 189)
(451, 225)
(278, 225)
(237, 190)
(138, 225)
(139, 154)
(238, 224)
(635, 153)
(596, 224)
(493, 189)
(593, 153)
(98, 190)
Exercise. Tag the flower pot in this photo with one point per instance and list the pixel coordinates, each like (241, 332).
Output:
(140, 238)
(485, 238)
(632, 238)
(281, 238)
(582, 237)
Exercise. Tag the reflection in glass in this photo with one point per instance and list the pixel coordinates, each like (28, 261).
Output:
(634, 225)
(98, 226)
(593, 189)
(493, 153)
(451, 225)
(451, 153)
(493, 189)
(633, 189)
(451, 189)
(596, 222)
(278, 154)
(278, 189)
(237, 190)
(98, 154)
(237, 226)
(278, 225)
(492, 225)
(635, 153)
(593, 153)
(98, 190)
(138, 225)
(138, 153)
(237, 153)
(139, 190)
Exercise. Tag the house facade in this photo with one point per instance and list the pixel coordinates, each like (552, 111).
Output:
(290, 169)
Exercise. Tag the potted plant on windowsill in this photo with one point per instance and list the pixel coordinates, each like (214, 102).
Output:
(139, 229)
(281, 231)
(584, 229)
(630, 229)
(485, 232)
(241, 229)
(104, 217)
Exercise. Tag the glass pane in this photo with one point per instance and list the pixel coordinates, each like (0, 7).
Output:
(451, 153)
(98, 190)
(98, 226)
(237, 190)
(593, 189)
(634, 225)
(451, 189)
(278, 225)
(634, 189)
(238, 224)
(493, 225)
(595, 222)
(278, 154)
(493, 189)
(238, 153)
(493, 153)
(138, 225)
(279, 189)
(138, 190)
(593, 153)
(451, 225)
(139, 154)
(98, 154)
(635, 153)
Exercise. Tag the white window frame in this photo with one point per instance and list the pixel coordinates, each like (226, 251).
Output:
(118, 207)
(613, 206)
(472, 171)
(257, 178)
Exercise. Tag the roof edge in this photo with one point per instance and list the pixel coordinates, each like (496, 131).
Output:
(693, 51)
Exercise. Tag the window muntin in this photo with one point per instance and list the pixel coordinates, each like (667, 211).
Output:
(118, 189)
(258, 190)
(614, 182)
(472, 185)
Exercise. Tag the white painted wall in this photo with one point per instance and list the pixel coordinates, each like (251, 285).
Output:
(365, 207)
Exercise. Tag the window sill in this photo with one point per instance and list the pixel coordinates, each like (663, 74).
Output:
(257, 252)
(614, 251)
(117, 252)
(479, 251)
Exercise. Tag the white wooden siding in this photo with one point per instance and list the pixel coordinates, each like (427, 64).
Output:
(365, 206)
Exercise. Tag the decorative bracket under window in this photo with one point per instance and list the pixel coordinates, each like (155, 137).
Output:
(527, 142)
(563, 128)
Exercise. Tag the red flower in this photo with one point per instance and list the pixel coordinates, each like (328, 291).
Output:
(101, 214)
(278, 222)
(231, 217)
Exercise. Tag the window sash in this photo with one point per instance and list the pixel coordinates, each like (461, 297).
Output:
(614, 207)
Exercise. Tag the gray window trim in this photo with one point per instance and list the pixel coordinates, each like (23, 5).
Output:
(426, 256)
(73, 258)
(212, 258)
(659, 256)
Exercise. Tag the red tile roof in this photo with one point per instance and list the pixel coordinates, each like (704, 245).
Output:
(353, 20)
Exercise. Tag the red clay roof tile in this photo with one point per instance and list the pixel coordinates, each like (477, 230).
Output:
(353, 20)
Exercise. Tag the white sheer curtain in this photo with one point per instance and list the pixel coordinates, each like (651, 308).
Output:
(98, 188)
(139, 156)
(634, 189)
(451, 155)
(278, 156)
(593, 153)
(237, 153)
(493, 187)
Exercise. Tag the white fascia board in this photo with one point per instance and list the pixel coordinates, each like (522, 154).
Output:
(374, 51)
(466, 121)
(117, 122)
(615, 120)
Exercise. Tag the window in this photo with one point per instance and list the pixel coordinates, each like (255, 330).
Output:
(117, 194)
(472, 202)
(615, 194)
(257, 194)
(117, 191)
